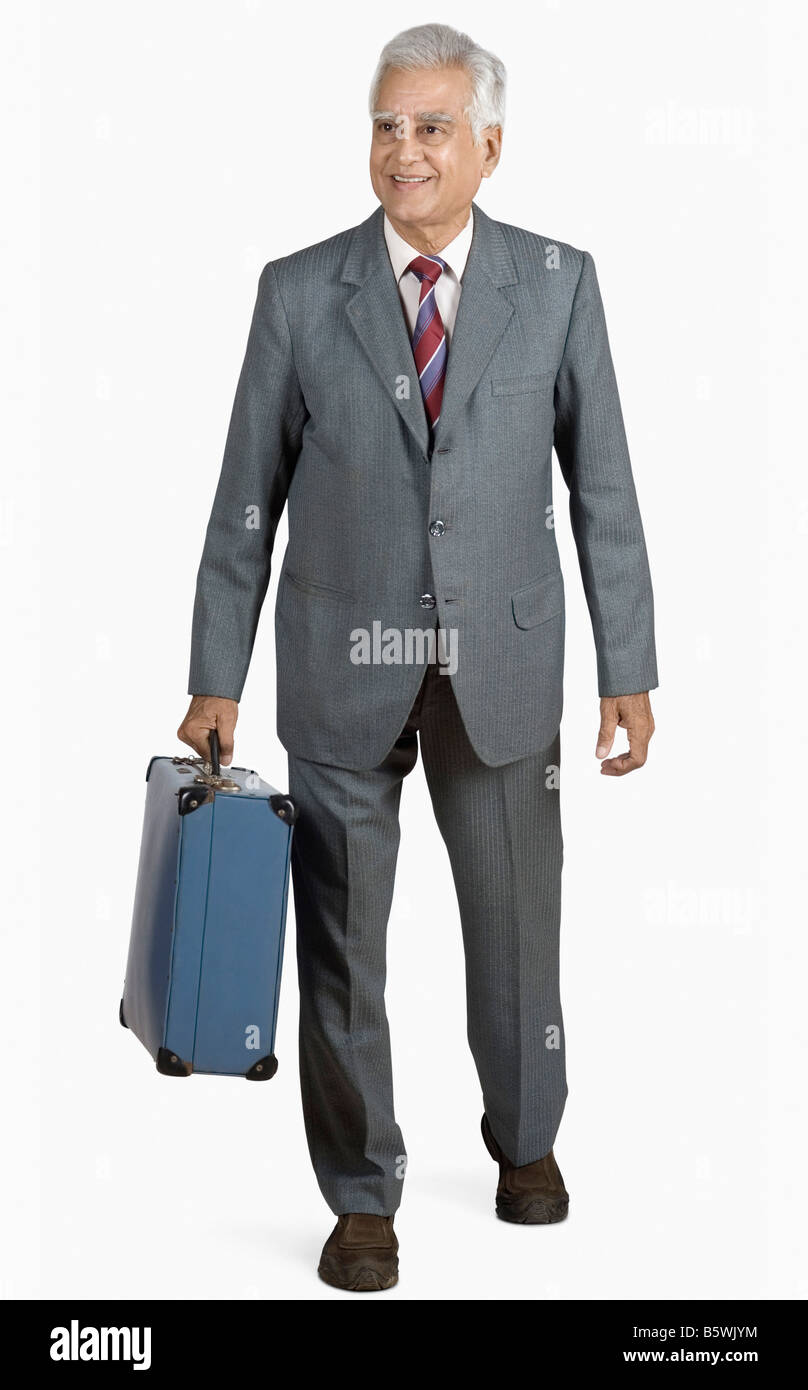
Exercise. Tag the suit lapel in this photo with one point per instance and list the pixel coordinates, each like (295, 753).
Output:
(482, 316)
(378, 319)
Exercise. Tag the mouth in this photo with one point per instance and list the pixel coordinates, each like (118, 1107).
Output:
(410, 180)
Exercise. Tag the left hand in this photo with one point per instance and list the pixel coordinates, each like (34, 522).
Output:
(632, 713)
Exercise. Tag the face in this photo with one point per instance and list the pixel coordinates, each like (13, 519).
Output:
(424, 166)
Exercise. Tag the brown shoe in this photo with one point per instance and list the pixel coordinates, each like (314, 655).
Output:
(533, 1195)
(361, 1253)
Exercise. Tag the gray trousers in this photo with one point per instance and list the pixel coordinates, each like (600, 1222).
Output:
(502, 830)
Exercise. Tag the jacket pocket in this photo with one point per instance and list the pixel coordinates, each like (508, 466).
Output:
(315, 588)
(519, 385)
(538, 602)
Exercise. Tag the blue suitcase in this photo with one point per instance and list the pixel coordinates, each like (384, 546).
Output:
(206, 948)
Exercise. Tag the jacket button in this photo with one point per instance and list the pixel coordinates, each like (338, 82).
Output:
(437, 528)
(427, 600)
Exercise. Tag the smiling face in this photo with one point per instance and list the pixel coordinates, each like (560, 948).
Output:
(424, 166)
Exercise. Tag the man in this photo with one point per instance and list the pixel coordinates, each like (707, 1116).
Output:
(403, 387)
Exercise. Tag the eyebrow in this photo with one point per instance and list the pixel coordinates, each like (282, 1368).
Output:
(438, 117)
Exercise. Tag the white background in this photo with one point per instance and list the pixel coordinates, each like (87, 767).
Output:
(182, 146)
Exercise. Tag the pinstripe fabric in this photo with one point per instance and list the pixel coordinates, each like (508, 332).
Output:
(323, 423)
(502, 829)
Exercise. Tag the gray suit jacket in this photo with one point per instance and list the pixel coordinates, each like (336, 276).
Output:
(328, 419)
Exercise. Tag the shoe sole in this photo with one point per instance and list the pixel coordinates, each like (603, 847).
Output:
(355, 1279)
(534, 1213)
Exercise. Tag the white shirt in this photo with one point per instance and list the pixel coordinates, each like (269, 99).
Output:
(447, 289)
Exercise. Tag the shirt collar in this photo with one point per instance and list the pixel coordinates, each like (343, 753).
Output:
(455, 254)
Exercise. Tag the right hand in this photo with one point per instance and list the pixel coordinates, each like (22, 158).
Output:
(207, 712)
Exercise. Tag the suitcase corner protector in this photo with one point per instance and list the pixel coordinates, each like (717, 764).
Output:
(169, 1064)
(189, 798)
(284, 808)
(263, 1070)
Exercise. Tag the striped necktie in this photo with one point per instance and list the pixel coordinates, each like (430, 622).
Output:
(429, 338)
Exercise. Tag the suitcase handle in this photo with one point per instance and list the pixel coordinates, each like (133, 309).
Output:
(213, 740)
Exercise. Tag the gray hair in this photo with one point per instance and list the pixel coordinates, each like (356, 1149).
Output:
(439, 46)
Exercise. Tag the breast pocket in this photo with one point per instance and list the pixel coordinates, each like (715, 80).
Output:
(540, 601)
(521, 385)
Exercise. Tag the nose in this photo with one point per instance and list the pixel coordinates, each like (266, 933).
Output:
(408, 150)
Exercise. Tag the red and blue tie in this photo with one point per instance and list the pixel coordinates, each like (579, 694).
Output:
(429, 338)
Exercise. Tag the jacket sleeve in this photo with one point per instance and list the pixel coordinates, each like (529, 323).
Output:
(590, 442)
(262, 446)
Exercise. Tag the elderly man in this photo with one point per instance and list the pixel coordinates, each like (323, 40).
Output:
(403, 388)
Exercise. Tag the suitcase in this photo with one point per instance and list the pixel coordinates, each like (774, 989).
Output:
(203, 972)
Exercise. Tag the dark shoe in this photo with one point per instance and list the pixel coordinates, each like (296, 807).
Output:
(533, 1195)
(361, 1253)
